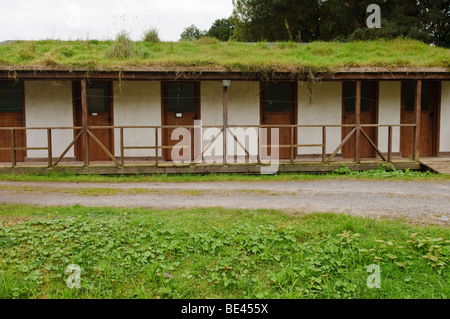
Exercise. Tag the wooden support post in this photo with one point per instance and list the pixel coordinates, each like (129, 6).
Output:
(324, 144)
(13, 148)
(84, 121)
(418, 112)
(156, 146)
(225, 122)
(292, 145)
(390, 144)
(358, 123)
(49, 145)
(122, 150)
(259, 147)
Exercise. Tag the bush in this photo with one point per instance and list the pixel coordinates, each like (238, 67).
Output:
(122, 46)
(151, 35)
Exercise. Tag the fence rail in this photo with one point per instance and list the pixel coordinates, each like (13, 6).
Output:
(85, 132)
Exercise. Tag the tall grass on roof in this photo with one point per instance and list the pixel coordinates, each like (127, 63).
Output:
(207, 55)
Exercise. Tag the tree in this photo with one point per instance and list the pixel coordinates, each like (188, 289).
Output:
(191, 33)
(310, 20)
(221, 29)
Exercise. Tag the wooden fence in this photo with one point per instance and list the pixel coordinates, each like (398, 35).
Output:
(84, 132)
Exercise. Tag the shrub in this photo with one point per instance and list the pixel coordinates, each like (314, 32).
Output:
(122, 46)
(151, 35)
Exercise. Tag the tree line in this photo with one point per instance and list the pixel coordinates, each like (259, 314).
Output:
(329, 20)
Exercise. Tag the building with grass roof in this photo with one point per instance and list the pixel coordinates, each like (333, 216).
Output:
(163, 107)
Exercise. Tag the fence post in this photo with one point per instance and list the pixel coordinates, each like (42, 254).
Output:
(324, 144)
(292, 145)
(122, 152)
(84, 120)
(157, 147)
(13, 148)
(390, 144)
(418, 111)
(358, 123)
(49, 145)
(225, 122)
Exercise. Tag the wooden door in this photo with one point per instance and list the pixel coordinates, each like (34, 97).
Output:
(180, 107)
(429, 118)
(12, 114)
(369, 115)
(100, 113)
(278, 107)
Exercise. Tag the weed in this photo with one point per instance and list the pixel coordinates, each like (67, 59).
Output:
(215, 253)
(122, 47)
(151, 35)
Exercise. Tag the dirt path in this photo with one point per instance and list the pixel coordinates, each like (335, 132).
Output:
(422, 202)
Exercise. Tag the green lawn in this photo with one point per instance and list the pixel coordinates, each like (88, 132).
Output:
(209, 54)
(216, 253)
(383, 173)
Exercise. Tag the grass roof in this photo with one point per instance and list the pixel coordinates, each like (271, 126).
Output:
(211, 55)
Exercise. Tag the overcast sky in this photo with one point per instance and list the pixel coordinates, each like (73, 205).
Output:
(103, 19)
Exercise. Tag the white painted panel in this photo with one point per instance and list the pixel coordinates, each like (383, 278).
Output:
(137, 103)
(325, 107)
(49, 104)
(445, 117)
(243, 104)
(389, 113)
(211, 102)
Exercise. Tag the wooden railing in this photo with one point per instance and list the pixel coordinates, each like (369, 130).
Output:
(85, 132)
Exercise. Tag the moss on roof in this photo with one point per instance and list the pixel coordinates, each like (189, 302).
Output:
(211, 55)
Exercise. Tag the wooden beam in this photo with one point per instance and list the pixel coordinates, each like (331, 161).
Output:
(225, 122)
(340, 145)
(418, 112)
(122, 150)
(390, 144)
(84, 121)
(13, 148)
(358, 123)
(324, 144)
(189, 75)
(49, 145)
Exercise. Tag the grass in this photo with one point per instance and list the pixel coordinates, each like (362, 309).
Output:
(223, 56)
(383, 173)
(215, 253)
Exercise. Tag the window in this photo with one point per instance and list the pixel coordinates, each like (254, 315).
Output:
(410, 95)
(350, 96)
(277, 97)
(98, 97)
(10, 97)
(181, 97)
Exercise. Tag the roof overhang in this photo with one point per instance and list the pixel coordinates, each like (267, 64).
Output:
(151, 74)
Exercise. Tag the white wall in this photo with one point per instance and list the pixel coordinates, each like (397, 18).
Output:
(211, 102)
(243, 103)
(49, 104)
(445, 117)
(389, 113)
(137, 103)
(325, 108)
(243, 109)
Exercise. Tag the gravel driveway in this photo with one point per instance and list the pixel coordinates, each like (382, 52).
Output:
(424, 202)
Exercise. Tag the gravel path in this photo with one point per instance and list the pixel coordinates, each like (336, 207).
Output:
(422, 202)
